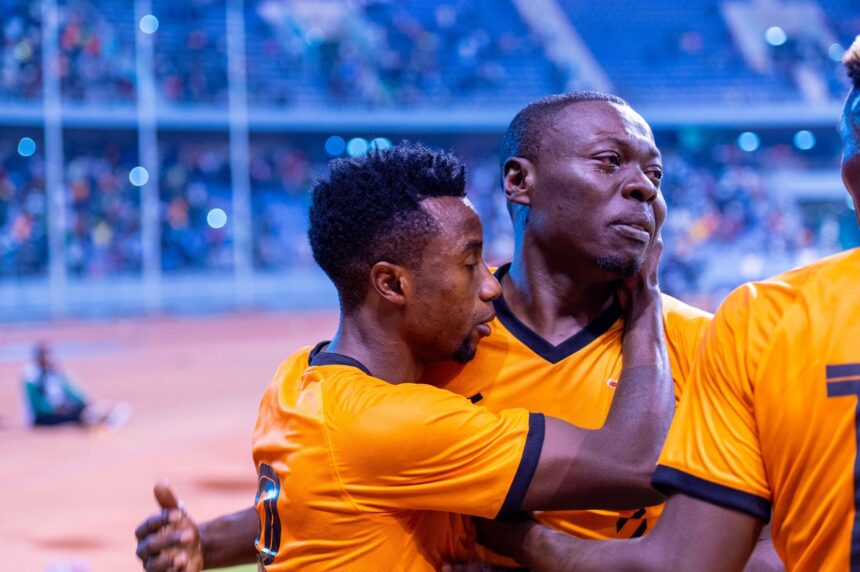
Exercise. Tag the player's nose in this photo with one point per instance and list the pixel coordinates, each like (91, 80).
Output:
(639, 186)
(490, 287)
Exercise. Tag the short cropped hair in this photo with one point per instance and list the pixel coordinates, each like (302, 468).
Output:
(851, 59)
(368, 209)
(523, 137)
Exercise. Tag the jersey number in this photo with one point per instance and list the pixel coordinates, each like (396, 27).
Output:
(842, 381)
(268, 491)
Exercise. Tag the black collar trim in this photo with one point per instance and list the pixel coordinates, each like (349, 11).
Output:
(553, 354)
(319, 357)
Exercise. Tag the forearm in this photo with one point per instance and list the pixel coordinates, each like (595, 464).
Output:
(764, 557)
(543, 549)
(644, 401)
(639, 418)
(229, 540)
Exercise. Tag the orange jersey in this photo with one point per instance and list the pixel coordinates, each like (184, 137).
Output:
(573, 381)
(359, 474)
(769, 424)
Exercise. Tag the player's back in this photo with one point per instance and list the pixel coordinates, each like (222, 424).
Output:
(805, 404)
(356, 473)
(769, 425)
(309, 520)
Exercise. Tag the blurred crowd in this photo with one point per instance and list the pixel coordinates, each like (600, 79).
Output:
(727, 221)
(374, 52)
(386, 53)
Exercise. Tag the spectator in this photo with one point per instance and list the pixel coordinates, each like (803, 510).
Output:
(52, 399)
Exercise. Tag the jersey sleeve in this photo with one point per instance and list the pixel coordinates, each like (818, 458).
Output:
(713, 450)
(424, 448)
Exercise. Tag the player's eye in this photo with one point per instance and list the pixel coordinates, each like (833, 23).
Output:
(610, 159)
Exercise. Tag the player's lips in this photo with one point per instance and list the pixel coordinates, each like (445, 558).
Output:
(638, 229)
(483, 328)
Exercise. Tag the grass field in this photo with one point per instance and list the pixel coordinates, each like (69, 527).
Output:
(194, 383)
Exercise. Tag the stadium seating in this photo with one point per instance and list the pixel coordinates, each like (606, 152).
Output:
(380, 55)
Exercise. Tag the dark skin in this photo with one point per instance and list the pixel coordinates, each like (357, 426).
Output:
(692, 534)
(597, 174)
(413, 316)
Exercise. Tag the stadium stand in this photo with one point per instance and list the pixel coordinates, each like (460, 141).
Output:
(726, 204)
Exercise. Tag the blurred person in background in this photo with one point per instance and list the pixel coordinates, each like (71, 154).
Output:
(52, 399)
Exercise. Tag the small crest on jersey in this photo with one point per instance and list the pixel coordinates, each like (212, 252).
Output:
(612, 383)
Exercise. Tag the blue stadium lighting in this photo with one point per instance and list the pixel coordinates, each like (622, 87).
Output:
(804, 140)
(26, 147)
(335, 145)
(216, 218)
(836, 51)
(356, 147)
(748, 141)
(775, 36)
(380, 143)
(23, 51)
(149, 24)
(138, 176)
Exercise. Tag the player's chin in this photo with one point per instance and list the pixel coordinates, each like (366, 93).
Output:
(623, 265)
(467, 349)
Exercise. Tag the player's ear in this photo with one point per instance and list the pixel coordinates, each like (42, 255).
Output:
(389, 282)
(518, 178)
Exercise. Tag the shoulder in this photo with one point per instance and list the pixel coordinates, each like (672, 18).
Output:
(816, 286)
(297, 361)
(359, 404)
(767, 301)
(685, 326)
(757, 315)
(284, 384)
(680, 313)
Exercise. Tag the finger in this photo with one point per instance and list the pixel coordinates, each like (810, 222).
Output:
(180, 562)
(156, 544)
(151, 525)
(165, 496)
(161, 563)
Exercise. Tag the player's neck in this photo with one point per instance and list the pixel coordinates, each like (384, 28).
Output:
(552, 301)
(384, 353)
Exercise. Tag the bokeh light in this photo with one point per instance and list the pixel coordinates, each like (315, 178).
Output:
(314, 37)
(356, 147)
(380, 143)
(836, 51)
(804, 140)
(23, 51)
(138, 176)
(775, 36)
(335, 145)
(216, 218)
(149, 24)
(748, 141)
(26, 147)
